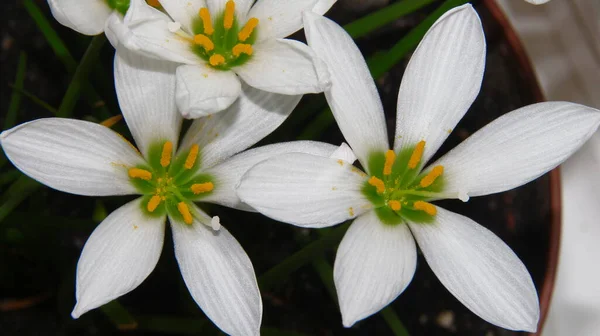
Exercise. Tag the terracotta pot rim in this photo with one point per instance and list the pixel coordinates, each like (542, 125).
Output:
(555, 188)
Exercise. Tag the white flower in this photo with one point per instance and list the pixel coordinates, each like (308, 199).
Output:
(89, 159)
(392, 203)
(221, 43)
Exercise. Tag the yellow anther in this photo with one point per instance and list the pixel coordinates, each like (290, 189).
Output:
(239, 49)
(153, 3)
(206, 21)
(199, 188)
(204, 42)
(428, 180)
(216, 60)
(184, 210)
(140, 174)
(429, 208)
(229, 14)
(377, 183)
(192, 156)
(167, 152)
(390, 157)
(395, 205)
(110, 122)
(245, 33)
(415, 158)
(153, 203)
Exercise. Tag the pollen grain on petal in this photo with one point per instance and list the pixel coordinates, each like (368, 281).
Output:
(206, 21)
(245, 33)
(204, 42)
(395, 205)
(138, 173)
(216, 60)
(428, 180)
(167, 152)
(190, 160)
(200, 188)
(229, 14)
(154, 203)
(428, 208)
(415, 158)
(184, 210)
(390, 157)
(240, 48)
(377, 183)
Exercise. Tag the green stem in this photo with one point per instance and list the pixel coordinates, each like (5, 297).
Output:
(119, 316)
(81, 76)
(392, 320)
(16, 193)
(36, 100)
(15, 99)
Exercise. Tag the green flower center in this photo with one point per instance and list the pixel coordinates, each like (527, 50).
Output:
(120, 6)
(169, 186)
(225, 44)
(399, 190)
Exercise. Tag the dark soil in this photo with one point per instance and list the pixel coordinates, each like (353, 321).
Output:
(42, 238)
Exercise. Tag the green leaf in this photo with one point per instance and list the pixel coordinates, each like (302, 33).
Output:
(15, 194)
(119, 316)
(392, 320)
(15, 99)
(34, 99)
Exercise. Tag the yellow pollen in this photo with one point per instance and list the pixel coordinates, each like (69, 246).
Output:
(184, 210)
(140, 174)
(192, 156)
(153, 203)
(110, 122)
(428, 180)
(229, 13)
(204, 42)
(395, 205)
(167, 151)
(429, 208)
(216, 60)
(377, 183)
(415, 158)
(390, 157)
(206, 21)
(239, 49)
(200, 188)
(153, 3)
(245, 33)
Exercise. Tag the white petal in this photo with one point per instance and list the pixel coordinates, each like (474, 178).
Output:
(84, 16)
(323, 6)
(242, 7)
(480, 270)
(353, 97)
(219, 275)
(518, 147)
(252, 117)
(305, 190)
(150, 35)
(117, 27)
(121, 252)
(73, 156)
(183, 11)
(229, 172)
(286, 67)
(203, 90)
(537, 2)
(374, 264)
(146, 92)
(441, 80)
(114, 27)
(344, 152)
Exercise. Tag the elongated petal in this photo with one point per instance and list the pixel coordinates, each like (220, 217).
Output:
(219, 275)
(183, 11)
(441, 81)
(202, 90)
(149, 34)
(344, 152)
(518, 147)
(242, 7)
(229, 173)
(480, 270)
(353, 97)
(252, 117)
(117, 27)
(84, 16)
(121, 252)
(374, 264)
(286, 67)
(305, 190)
(279, 19)
(146, 92)
(73, 156)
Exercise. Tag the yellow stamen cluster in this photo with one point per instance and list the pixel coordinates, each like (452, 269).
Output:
(245, 33)
(229, 14)
(390, 157)
(206, 21)
(428, 180)
(184, 210)
(190, 160)
(167, 153)
(429, 208)
(395, 205)
(138, 173)
(377, 183)
(239, 49)
(204, 42)
(200, 188)
(216, 60)
(415, 158)
(153, 203)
